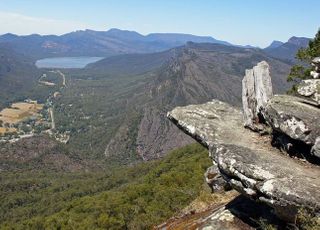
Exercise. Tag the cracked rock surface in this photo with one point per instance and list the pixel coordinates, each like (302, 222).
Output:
(310, 89)
(247, 161)
(294, 117)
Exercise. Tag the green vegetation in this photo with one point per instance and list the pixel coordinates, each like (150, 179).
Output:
(133, 197)
(302, 70)
(93, 108)
(54, 77)
(307, 221)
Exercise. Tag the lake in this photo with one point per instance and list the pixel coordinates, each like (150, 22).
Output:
(66, 62)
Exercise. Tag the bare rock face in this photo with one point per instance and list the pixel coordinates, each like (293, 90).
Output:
(215, 180)
(294, 117)
(310, 89)
(240, 213)
(247, 161)
(316, 64)
(315, 151)
(256, 91)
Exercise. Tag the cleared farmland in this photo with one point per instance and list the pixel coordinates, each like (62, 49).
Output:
(19, 112)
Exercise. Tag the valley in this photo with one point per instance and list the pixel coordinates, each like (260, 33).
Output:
(28, 118)
(84, 135)
(115, 108)
(122, 101)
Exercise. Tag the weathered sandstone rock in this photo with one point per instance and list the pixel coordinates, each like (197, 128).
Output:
(248, 162)
(310, 89)
(294, 117)
(316, 64)
(256, 91)
(239, 213)
(215, 180)
(315, 151)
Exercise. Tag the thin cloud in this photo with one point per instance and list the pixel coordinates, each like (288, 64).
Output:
(23, 24)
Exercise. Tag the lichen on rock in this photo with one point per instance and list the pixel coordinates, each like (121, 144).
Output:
(245, 159)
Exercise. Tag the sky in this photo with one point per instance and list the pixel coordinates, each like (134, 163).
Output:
(243, 22)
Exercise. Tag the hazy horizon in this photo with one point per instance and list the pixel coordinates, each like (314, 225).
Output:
(230, 21)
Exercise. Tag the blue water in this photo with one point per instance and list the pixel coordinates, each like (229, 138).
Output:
(66, 62)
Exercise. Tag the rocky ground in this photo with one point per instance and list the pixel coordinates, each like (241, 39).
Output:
(283, 176)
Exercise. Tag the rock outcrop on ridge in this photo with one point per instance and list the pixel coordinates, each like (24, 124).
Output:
(310, 88)
(316, 64)
(246, 160)
(294, 117)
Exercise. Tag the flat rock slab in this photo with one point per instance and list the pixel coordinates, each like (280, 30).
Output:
(247, 160)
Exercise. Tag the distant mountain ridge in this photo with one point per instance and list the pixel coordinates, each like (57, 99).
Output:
(183, 38)
(99, 43)
(116, 42)
(287, 51)
(275, 44)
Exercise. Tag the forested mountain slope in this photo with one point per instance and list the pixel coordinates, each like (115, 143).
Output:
(18, 75)
(119, 104)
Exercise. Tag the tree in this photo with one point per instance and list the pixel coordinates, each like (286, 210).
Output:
(302, 70)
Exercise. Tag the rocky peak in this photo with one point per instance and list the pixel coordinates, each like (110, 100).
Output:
(299, 41)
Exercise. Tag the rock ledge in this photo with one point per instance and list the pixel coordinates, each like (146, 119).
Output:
(247, 161)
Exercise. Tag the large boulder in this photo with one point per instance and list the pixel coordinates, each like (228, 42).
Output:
(248, 162)
(256, 91)
(316, 64)
(215, 180)
(294, 117)
(240, 213)
(310, 89)
(315, 151)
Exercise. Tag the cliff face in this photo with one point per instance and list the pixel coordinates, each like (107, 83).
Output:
(246, 160)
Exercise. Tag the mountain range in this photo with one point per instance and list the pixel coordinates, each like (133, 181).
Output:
(114, 42)
(98, 43)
